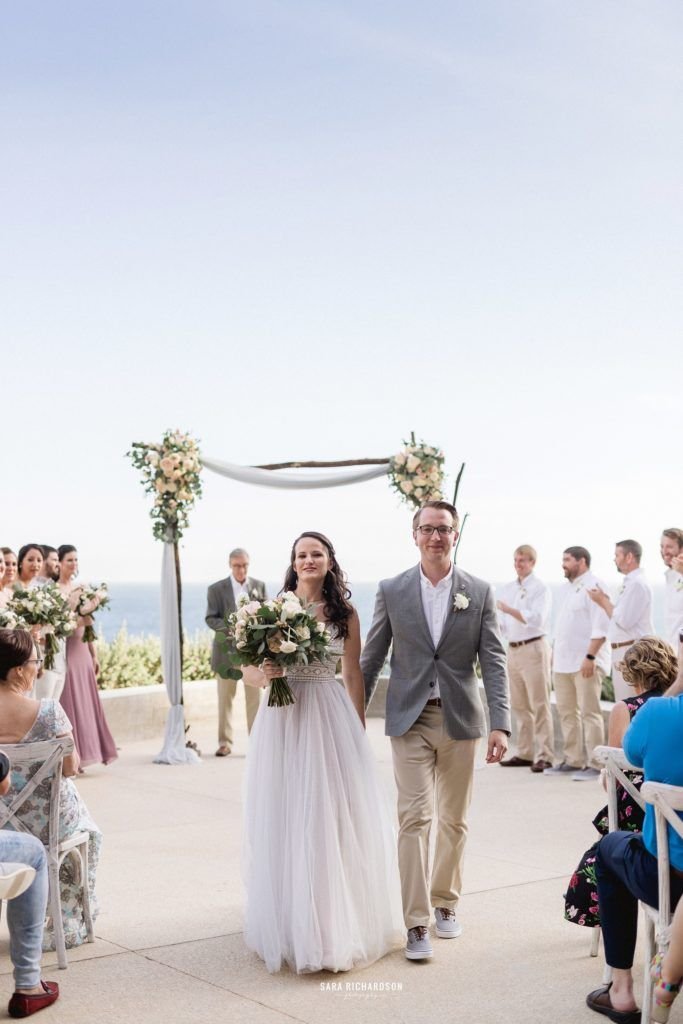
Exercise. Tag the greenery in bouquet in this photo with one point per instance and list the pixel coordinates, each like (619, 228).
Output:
(46, 608)
(170, 471)
(88, 600)
(283, 630)
(416, 472)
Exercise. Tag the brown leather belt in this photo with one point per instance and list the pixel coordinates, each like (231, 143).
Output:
(521, 643)
(435, 702)
(624, 643)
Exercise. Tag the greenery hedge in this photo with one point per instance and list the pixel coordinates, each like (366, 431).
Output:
(136, 660)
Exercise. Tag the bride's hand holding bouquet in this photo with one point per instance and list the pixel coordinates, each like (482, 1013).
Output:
(275, 635)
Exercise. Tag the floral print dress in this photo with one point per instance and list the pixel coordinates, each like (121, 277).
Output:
(581, 897)
(51, 722)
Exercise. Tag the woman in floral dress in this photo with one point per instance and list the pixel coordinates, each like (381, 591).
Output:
(24, 720)
(649, 667)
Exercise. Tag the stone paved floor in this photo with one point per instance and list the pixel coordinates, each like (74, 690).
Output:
(169, 945)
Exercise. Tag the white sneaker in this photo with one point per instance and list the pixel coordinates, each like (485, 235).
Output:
(15, 879)
(419, 946)
(447, 926)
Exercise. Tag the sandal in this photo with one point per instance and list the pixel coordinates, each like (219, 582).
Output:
(663, 992)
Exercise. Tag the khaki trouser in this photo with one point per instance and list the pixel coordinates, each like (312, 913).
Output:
(529, 673)
(578, 705)
(227, 689)
(428, 763)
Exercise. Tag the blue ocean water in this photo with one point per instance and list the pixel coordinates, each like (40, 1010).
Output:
(136, 605)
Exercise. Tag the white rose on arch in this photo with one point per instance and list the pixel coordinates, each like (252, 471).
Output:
(461, 602)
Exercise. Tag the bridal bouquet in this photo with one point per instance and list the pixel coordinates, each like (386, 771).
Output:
(284, 631)
(416, 472)
(90, 599)
(46, 608)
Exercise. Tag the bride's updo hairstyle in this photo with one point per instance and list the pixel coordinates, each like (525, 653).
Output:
(338, 608)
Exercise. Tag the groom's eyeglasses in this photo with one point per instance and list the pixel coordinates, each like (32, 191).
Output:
(443, 531)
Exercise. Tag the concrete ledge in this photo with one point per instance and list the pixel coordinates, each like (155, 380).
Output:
(139, 712)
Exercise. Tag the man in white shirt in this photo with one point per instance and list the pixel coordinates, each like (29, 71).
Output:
(671, 547)
(581, 660)
(631, 614)
(222, 599)
(524, 611)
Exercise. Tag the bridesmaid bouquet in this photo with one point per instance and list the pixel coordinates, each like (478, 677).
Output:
(90, 599)
(283, 630)
(45, 608)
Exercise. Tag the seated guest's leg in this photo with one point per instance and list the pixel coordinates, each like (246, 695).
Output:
(625, 873)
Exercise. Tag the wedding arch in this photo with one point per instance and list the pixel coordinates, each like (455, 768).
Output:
(171, 471)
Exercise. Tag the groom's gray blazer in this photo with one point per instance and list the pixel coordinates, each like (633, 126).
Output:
(220, 600)
(469, 634)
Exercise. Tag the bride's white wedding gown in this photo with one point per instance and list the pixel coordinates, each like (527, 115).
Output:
(320, 853)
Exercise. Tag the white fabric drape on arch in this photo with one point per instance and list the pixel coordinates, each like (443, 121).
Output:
(270, 478)
(174, 750)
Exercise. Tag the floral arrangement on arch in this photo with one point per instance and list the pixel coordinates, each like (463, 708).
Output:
(170, 471)
(416, 472)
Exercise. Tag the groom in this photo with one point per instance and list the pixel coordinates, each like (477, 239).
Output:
(439, 620)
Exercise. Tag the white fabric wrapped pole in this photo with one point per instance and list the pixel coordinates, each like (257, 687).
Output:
(174, 750)
(271, 478)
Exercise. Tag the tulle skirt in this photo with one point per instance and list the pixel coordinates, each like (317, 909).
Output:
(320, 852)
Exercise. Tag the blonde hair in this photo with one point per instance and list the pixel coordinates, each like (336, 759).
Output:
(649, 663)
(526, 549)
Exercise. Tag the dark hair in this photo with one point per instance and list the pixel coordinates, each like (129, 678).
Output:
(23, 551)
(16, 647)
(47, 549)
(578, 553)
(437, 503)
(631, 547)
(338, 608)
(673, 533)
(63, 550)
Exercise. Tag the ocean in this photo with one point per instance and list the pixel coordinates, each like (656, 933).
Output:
(136, 606)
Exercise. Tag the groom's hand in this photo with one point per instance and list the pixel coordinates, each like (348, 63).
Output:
(498, 744)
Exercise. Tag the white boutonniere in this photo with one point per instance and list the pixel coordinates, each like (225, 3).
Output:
(254, 594)
(460, 602)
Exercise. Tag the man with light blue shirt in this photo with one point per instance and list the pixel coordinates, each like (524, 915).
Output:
(626, 862)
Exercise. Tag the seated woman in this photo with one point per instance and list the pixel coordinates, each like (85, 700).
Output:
(649, 666)
(626, 862)
(24, 720)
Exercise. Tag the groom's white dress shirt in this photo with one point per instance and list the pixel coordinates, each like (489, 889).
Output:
(435, 605)
(532, 599)
(673, 607)
(632, 615)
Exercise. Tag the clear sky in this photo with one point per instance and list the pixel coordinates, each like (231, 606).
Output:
(301, 230)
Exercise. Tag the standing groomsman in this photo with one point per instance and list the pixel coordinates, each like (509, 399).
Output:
(671, 547)
(581, 660)
(524, 607)
(221, 599)
(631, 614)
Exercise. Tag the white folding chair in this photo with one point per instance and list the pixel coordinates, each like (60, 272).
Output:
(48, 755)
(667, 800)
(615, 764)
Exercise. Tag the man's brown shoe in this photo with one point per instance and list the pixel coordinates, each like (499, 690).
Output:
(23, 1005)
(223, 751)
(516, 762)
(540, 766)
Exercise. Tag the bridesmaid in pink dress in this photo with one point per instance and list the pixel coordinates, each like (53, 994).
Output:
(80, 697)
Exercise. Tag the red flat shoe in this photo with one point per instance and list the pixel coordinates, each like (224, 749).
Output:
(23, 1005)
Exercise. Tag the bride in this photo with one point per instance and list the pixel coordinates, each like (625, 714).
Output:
(320, 863)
